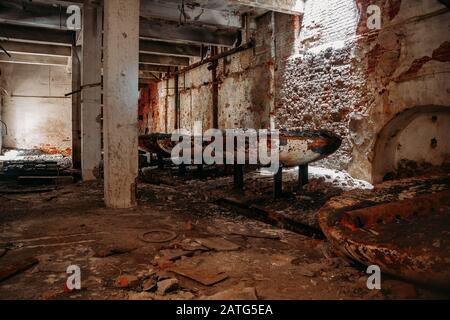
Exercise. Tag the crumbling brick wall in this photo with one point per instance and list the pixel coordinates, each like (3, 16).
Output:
(346, 78)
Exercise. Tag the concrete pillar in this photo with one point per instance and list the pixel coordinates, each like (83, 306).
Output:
(91, 146)
(76, 108)
(121, 93)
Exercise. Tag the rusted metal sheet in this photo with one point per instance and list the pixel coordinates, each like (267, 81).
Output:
(154, 143)
(402, 226)
(296, 147)
(303, 147)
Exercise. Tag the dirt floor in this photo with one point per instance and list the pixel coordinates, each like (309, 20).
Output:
(215, 251)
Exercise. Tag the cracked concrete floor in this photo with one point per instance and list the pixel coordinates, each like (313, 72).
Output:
(70, 226)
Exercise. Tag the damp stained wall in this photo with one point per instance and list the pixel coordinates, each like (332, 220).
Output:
(245, 95)
(36, 112)
(343, 77)
(329, 71)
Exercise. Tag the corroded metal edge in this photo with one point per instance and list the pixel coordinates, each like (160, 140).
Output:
(412, 263)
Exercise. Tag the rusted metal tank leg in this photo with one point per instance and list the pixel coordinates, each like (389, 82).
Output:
(278, 183)
(182, 170)
(160, 161)
(200, 170)
(238, 177)
(302, 176)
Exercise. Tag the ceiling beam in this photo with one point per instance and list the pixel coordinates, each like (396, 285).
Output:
(34, 60)
(36, 49)
(294, 7)
(147, 81)
(169, 49)
(34, 14)
(163, 60)
(41, 35)
(155, 68)
(194, 13)
(172, 32)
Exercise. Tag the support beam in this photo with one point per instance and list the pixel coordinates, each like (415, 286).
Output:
(172, 32)
(33, 59)
(169, 49)
(278, 183)
(36, 49)
(32, 13)
(154, 68)
(41, 35)
(162, 60)
(91, 131)
(148, 75)
(302, 176)
(146, 81)
(194, 13)
(76, 109)
(294, 7)
(238, 177)
(121, 69)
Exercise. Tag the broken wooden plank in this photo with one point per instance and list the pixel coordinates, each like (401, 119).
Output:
(218, 244)
(15, 268)
(200, 276)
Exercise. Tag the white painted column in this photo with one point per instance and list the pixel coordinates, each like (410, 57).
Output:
(91, 147)
(121, 94)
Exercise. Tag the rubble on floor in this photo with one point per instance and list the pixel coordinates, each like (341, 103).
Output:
(63, 161)
(215, 252)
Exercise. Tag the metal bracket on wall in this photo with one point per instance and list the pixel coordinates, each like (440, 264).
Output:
(92, 85)
(6, 127)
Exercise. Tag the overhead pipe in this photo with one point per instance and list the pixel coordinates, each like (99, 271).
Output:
(214, 58)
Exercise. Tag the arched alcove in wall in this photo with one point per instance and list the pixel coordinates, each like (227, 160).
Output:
(418, 135)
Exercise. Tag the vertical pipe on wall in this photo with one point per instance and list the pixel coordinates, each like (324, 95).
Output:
(76, 109)
(273, 57)
(166, 102)
(215, 91)
(177, 101)
(91, 104)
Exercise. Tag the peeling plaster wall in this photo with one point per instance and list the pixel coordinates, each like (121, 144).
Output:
(429, 131)
(343, 77)
(328, 72)
(245, 95)
(36, 112)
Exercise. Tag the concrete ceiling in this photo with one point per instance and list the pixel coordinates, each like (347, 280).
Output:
(171, 31)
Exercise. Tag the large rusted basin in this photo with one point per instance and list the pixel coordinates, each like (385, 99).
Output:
(402, 226)
(296, 147)
(154, 143)
(303, 147)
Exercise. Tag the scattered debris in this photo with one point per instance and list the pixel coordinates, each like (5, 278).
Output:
(311, 269)
(207, 278)
(399, 289)
(170, 235)
(127, 281)
(218, 244)
(167, 285)
(254, 234)
(191, 245)
(149, 284)
(174, 254)
(12, 269)
(103, 251)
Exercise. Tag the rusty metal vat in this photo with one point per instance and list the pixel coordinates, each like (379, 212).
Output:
(296, 147)
(402, 226)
